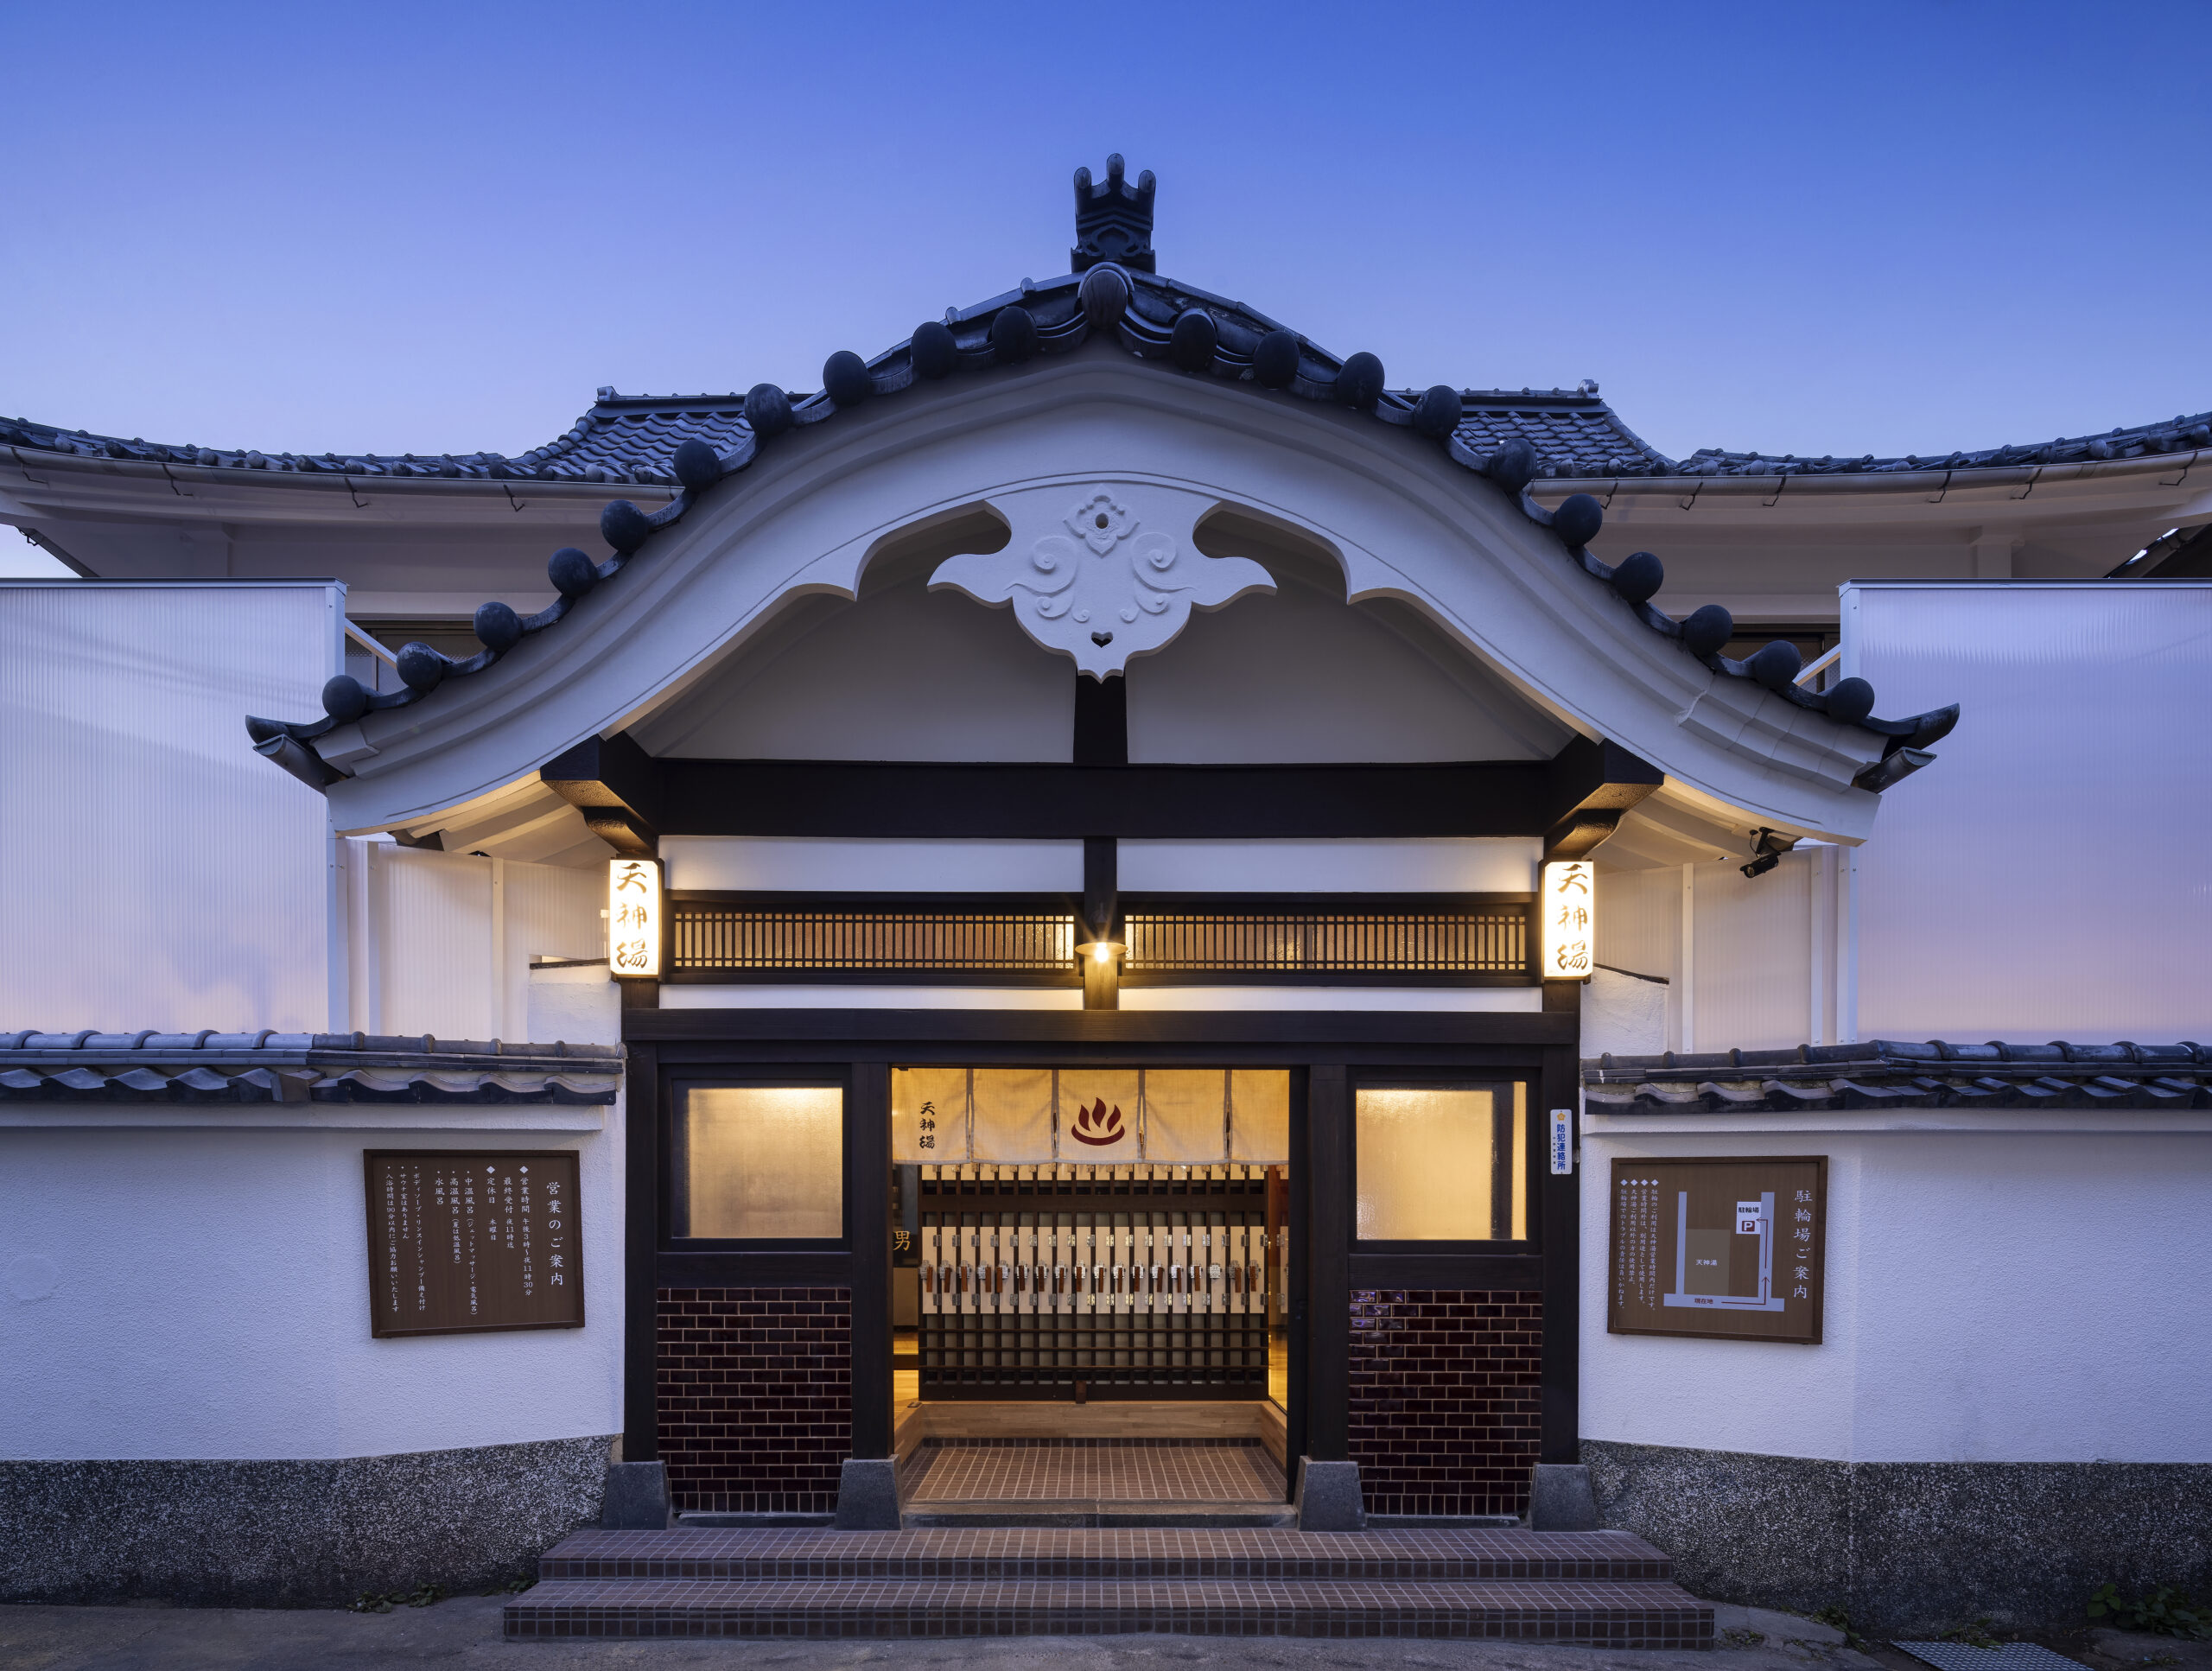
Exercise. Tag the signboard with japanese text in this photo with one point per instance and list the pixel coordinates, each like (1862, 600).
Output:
(1567, 905)
(464, 1240)
(633, 917)
(1724, 1249)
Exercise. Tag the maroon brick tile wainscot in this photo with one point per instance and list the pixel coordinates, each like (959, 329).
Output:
(1445, 1411)
(756, 1387)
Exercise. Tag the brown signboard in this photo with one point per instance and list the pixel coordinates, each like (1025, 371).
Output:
(464, 1241)
(1724, 1249)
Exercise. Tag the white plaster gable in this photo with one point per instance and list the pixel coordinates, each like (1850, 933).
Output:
(1295, 674)
(900, 674)
(1404, 521)
(1302, 676)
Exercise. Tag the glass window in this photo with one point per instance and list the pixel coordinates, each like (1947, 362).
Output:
(1442, 1163)
(761, 1163)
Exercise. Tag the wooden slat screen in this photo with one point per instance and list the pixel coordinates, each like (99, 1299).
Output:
(1488, 941)
(717, 936)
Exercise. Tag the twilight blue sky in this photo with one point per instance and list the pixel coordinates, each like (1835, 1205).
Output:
(1812, 228)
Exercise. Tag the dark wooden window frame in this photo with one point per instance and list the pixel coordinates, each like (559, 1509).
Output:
(1442, 1253)
(838, 1075)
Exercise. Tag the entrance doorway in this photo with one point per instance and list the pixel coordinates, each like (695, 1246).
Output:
(1093, 1336)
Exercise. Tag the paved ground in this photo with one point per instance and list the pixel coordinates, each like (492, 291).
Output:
(465, 1633)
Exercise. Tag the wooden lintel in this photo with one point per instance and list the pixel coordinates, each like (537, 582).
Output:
(631, 799)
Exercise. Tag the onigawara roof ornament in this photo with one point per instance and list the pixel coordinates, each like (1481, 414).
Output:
(1189, 331)
(1113, 222)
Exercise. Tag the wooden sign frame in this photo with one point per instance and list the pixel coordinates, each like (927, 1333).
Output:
(1638, 1241)
(515, 1291)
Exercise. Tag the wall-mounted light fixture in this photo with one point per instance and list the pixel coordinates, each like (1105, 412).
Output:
(1569, 904)
(1101, 973)
(633, 918)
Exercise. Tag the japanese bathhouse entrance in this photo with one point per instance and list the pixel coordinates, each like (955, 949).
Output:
(1109, 1240)
(964, 1253)
(1091, 1253)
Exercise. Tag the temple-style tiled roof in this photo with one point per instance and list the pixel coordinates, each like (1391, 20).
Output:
(2183, 434)
(1887, 1073)
(299, 1067)
(1187, 331)
(627, 440)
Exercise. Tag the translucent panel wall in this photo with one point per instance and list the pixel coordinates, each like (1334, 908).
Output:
(2046, 878)
(155, 872)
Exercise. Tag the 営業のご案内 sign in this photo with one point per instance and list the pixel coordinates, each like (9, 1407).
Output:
(467, 1240)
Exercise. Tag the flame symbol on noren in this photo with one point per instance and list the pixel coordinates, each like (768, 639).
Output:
(1095, 1119)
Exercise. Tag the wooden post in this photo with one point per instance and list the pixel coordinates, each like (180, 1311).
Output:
(1328, 1265)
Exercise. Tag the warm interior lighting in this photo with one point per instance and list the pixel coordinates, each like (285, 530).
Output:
(633, 916)
(1569, 904)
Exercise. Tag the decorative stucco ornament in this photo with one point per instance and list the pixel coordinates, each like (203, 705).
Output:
(1102, 574)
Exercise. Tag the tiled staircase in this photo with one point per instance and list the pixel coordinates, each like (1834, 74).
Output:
(1604, 1588)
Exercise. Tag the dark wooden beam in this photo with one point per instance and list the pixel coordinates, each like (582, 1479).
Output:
(641, 1278)
(629, 799)
(868, 1219)
(858, 1033)
(1071, 803)
(1328, 1265)
(1606, 780)
(1558, 1231)
(617, 786)
(1101, 722)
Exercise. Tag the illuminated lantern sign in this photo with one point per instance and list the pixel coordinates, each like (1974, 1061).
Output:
(1570, 911)
(633, 917)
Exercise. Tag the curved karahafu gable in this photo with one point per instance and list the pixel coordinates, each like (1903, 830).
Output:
(1090, 576)
(808, 511)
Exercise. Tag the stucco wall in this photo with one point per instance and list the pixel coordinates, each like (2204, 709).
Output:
(1997, 1294)
(204, 1293)
(184, 1282)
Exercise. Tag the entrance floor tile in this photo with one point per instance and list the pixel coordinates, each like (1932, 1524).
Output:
(1097, 1470)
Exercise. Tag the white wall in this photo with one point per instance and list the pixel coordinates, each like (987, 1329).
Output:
(1505, 864)
(155, 872)
(192, 1282)
(900, 674)
(904, 674)
(442, 943)
(2046, 877)
(803, 864)
(1304, 677)
(1999, 1288)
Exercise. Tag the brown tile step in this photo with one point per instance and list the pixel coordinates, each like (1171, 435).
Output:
(1596, 1615)
(1046, 1553)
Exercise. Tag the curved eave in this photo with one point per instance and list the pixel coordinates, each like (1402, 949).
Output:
(2131, 474)
(1406, 520)
(51, 484)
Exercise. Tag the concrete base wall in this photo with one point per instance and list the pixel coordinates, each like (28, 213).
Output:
(1910, 1547)
(272, 1534)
